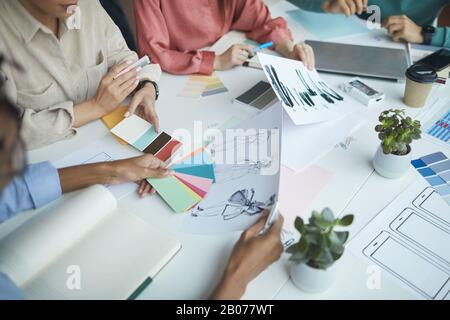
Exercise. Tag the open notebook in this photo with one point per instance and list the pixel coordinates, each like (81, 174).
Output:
(85, 248)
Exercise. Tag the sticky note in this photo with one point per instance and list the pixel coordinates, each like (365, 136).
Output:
(175, 193)
(204, 171)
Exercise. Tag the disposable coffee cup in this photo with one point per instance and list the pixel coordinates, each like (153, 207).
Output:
(419, 81)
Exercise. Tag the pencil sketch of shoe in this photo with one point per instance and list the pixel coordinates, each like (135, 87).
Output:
(240, 203)
(243, 168)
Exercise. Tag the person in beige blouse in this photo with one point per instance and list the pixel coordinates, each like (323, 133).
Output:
(72, 53)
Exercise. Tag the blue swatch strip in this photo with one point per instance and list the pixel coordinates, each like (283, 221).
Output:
(145, 140)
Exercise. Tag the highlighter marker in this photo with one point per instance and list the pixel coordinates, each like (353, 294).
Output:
(141, 63)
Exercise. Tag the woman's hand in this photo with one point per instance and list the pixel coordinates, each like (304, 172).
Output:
(403, 28)
(137, 169)
(143, 102)
(305, 53)
(299, 51)
(251, 255)
(347, 7)
(236, 55)
(113, 91)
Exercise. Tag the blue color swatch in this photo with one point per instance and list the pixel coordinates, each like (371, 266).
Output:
(435, 168)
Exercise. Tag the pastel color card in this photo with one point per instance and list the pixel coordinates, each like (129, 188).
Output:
(145, 140)
(204, 171)
(445, 176)
(131, 129)
(187, 156)
(441, 166)
(158, 143)
(298, 191)
(443, 190)
(168, 150)
(433, 158)
(435, 181)
(198, 159)
(199, 185)
(175, 193)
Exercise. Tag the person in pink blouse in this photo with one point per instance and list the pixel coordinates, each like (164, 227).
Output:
(173, 33)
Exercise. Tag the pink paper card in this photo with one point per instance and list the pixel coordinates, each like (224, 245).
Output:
(297, 191)
(199, 185)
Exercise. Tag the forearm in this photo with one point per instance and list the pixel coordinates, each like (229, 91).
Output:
(229, 288)
(309, 5)
(79, 177)
(86, 112)
(441, 37)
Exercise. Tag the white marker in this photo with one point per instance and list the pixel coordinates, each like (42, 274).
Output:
(273, 215)
(141, 63)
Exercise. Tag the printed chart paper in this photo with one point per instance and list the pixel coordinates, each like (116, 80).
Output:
(409, 241)
(305, 96)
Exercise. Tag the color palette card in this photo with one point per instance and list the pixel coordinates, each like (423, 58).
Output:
(441, 128)
(141, 135)
(176, 194)
(202, 86)
(113, 118)
(435, 168)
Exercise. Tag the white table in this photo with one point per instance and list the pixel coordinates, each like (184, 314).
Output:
(196, 269)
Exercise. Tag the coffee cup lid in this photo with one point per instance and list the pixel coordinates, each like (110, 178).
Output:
(421, 74)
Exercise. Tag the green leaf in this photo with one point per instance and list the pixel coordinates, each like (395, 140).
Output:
(346, 220)
(319, 221)
(328, 215)
(299, 225)
(342, 235)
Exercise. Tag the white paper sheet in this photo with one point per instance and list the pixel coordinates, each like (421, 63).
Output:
(305, 96)
(409, 241)
(103, 150)
(306, 144)
(244, 187)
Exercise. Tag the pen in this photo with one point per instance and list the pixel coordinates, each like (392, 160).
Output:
(263, 46)
(273, 215)
(140, 63)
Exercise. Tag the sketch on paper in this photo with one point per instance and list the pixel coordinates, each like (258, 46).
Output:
(416, 228)
(247, 182)
(239, 203)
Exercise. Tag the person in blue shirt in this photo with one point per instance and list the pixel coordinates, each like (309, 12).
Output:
(24, 187)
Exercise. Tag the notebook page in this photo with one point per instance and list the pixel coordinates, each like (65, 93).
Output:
(111, 262)
(39, 241)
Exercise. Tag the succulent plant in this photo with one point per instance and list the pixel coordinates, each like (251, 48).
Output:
(320, 245)
(397, 131)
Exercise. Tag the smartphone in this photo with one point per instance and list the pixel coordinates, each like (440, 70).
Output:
(410, 266)
(438, 60)
(431, 202)
(428, 236)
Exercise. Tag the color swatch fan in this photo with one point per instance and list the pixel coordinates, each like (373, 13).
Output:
(193, 178)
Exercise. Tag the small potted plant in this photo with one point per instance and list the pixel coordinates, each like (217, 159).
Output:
(396, 132)
(320, 246)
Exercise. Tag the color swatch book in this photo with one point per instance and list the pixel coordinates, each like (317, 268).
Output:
(141, 135)
(435, 168)
(193, 178)
(202, 86)
(441, 128)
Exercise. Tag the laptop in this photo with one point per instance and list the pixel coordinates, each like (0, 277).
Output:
(366, 61)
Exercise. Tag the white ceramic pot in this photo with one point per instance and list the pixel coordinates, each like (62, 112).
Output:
(390, 165)
(312, 280)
